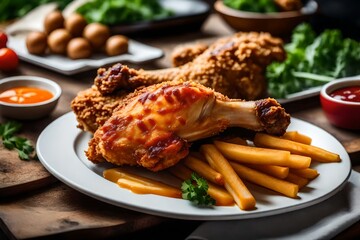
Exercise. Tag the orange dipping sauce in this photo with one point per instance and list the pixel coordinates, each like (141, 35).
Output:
(25, 95)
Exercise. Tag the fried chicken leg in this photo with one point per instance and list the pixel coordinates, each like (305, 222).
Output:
(92, 109)
(185, 53)
(156, 125)
(233, 66)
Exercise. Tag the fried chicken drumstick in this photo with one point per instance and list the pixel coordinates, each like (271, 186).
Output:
(155, 125)
(233, 66)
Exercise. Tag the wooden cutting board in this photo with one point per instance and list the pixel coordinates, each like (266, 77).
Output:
(59, 209)
(17, 176)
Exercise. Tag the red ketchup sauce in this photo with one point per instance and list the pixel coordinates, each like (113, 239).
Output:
(349, 94)
(25, 95)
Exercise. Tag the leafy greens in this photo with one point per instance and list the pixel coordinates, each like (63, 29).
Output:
(11, 9)
(313, 60)
(111, 12)
(261, 6)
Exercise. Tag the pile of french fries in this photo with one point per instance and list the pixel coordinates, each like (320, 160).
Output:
(281, 164)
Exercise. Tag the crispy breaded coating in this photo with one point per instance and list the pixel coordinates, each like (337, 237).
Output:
(234, 66)
(92, 109)
(185, 53)
(155, 125)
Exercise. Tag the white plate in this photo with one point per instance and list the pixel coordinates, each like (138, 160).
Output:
(138, 53)
(311, 92)
(61, 146)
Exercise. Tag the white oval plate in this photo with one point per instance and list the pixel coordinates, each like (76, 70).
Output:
(61, 146)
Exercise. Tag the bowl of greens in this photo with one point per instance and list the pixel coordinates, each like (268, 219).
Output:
(274, 16)
(142, 16)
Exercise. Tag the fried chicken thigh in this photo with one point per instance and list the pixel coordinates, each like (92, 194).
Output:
(156, 124)
(233, 66)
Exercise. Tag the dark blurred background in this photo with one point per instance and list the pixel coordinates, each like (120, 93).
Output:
(341, 14)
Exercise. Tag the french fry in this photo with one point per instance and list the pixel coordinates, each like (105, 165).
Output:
(297, 137)
(267, 181)
(140, 184)
(113, 174)
(272, 170)
(299, 161)
(316, 153)
(233, 184)
(221, 196)
(153, 188)
(264, 156)
(180, 171)
(197, 155)
(308, 173)
(300, 181)
(204, 170)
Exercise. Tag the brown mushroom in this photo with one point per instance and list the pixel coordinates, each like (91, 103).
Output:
(58, 41)
(97, 34)
(54, 20)
(36, 43)
(116, 45)
(75, 24)
(79, 48)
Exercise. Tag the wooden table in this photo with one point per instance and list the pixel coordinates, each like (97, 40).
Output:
(34, 205)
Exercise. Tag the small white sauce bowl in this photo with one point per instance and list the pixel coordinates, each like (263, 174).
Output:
(32, 110)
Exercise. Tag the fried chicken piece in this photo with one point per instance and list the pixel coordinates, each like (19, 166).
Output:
(155, 126)
(185, 53)
(92, 109)
(288, 5)
(233, 66)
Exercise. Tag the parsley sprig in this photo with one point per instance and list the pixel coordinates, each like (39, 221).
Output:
(11, 141)
(195, 190)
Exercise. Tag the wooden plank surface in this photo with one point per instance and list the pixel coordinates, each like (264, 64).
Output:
(60, 209)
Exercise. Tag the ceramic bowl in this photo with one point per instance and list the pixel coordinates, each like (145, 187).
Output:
(278, 24)
(343, 114)
(31, 110)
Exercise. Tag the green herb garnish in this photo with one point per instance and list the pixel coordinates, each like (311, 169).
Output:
(195, 190)
(312, 61)
(10, 141)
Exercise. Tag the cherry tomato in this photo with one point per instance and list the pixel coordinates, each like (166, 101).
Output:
(9, 60)
(3, 40)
